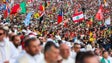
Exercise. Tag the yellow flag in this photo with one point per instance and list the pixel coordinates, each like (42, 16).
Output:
(91, 39)
(36, 15)
(91, 34)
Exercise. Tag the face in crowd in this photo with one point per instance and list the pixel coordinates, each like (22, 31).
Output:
(51, 52)
(105, 54)
(32, 46)
(16, 40)
(64, 51)
(77, 47)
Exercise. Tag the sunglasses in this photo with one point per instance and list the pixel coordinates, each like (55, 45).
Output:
(1, 34)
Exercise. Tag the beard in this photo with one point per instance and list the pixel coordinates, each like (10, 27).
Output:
(16, 45)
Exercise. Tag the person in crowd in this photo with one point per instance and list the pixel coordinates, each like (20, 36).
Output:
(97, 51)
(51, 53)
(105, 57)
(17, 42)
(86, 57)
(32, 52)
(8, 52)
(110, 56)
(76, 49)
(65, 53)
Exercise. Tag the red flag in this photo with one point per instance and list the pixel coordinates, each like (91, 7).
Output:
(41, 7)
(77, 17)
(15, 9)
(6, 11)
(60, 17)
(5, 14)
(99, 15)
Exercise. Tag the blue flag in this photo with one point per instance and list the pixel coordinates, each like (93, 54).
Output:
(8, 10)
(27, 20)
(3, 7)
(60, 13)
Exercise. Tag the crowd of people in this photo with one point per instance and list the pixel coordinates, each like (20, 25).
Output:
(45, 40)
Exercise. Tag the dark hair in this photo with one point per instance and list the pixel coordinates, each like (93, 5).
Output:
(28, 41)
(13, 37)
(76, 44)
(82, 55)
(48, 45)
(104, 51)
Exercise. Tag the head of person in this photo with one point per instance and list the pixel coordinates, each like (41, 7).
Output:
(105, 54)
(32, 46)
(97, 51)
(16, 40)
(51, 52)
(76, 47)
(64, 51)
(110, 52)
(2, 33)
(86, 57)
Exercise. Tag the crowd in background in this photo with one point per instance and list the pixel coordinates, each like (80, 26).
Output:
(46, 41)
